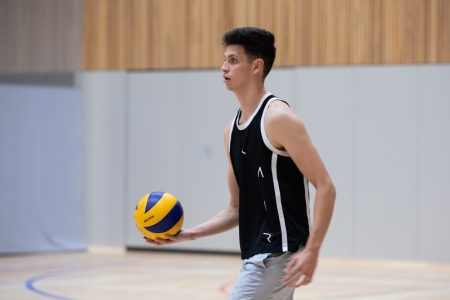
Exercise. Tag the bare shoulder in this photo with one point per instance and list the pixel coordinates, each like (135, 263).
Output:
(226, 134)
(282, 125)
(227, 129)
(278, 105)
(287, 132)
(279, 113)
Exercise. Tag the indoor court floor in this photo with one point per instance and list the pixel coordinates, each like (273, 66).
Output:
(117, 274)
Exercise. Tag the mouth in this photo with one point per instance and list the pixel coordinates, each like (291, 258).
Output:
(226, 79)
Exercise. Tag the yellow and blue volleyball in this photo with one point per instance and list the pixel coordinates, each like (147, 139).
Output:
(159, 214)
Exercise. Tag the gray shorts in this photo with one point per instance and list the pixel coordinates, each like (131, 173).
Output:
(260, 278)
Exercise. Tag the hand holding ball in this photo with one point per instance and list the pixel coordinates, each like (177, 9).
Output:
(158, 214)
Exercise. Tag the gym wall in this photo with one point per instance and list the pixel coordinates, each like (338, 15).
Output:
(369, 78)
(381, 132)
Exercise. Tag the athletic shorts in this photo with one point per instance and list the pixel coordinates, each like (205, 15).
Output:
(260, 278)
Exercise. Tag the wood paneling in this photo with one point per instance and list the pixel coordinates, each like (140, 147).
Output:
(109, 39)
(41, 35)
(186, 34)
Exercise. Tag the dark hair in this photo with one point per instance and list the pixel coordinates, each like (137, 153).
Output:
(257, 43)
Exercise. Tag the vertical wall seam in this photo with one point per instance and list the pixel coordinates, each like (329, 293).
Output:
(418, 159)
(180, 121)
(126, 155)
(354, 158)
(295, 99)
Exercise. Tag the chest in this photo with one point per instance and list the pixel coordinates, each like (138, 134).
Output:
(248, 152)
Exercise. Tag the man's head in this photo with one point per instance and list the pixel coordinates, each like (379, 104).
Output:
(257, 43)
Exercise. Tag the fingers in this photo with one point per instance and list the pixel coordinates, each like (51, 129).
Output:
(306, 280)
(297, 280)
(160, 242)
(299, 272)
(292, 272)
(182, 235)
(290, 280)
(302, 280)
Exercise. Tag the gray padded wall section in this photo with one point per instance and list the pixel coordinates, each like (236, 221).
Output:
(433, 182)
(176, 123)
(104, 156)
(381, 131)
(193, 164)
(325, 103)
(154, 141)
(386, 162)
(41, 205)
(281, 83)
(206, 113)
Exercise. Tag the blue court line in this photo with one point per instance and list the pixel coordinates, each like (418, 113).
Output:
(30, 284)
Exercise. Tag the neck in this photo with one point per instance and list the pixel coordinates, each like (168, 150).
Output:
(249, 100)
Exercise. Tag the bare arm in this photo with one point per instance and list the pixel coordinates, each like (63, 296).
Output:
(226, 219)
(286, 131)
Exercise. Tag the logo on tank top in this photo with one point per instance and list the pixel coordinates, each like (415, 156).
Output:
(268, 236)
(260, 172)
(243, 152)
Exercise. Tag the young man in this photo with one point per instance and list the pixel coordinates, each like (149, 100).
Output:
(271, 160)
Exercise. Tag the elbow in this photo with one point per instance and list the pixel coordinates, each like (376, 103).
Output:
(332, 188)
(332, 191)
(328, 189)
(234, 204)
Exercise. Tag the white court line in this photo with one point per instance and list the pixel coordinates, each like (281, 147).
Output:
(407, 295)
(133, 288)
(386, 281)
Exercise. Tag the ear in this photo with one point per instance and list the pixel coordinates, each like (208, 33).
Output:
(258, 66)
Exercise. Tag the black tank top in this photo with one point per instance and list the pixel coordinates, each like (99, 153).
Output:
(273, 193)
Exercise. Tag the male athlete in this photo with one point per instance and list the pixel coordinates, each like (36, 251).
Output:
(271, 160)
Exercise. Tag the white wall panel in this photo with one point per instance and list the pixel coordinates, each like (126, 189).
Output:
(386, 162)
(104, 154)
(154, 141)
(176, 145)
(207, 109)
(381, 131)
(324, 103)
(281, 83)
(434, 164)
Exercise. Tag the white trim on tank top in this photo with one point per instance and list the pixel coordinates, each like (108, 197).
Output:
(276, 186)
(264, 135)
(245, 125)
(307, 200)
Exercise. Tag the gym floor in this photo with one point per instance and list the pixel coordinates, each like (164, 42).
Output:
(104, 273)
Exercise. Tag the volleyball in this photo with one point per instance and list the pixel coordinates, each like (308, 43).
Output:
(158, 214)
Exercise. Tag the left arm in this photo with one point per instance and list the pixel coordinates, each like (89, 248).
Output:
(287, 132)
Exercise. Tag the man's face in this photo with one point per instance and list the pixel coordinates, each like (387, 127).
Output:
(236, 68)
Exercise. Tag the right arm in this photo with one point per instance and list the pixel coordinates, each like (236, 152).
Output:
(226, 219)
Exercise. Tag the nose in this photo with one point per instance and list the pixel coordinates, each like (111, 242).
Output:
(224, 67)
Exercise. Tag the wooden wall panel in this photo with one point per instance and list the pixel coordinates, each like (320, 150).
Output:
(186, 34)
(108, 46)
(40, 35)
(446, 31)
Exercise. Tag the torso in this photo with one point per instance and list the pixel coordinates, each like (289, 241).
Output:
(273, 193)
